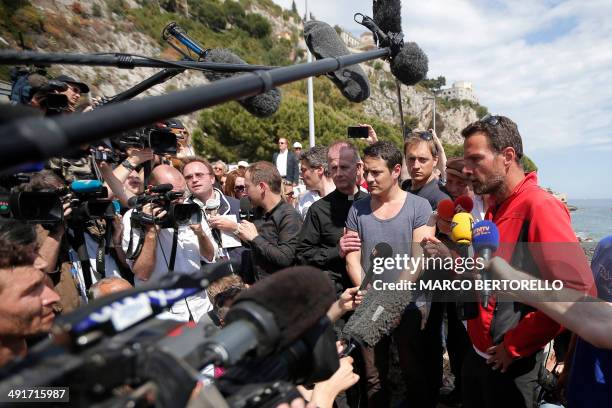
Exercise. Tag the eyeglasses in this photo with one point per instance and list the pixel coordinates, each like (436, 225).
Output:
(489, 119)
(239, 188)
(217, 168)
(289, 194)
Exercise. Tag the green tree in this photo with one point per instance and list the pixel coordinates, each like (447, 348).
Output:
(294, 7)
(234, 12)
(257, 25)
(434, 84)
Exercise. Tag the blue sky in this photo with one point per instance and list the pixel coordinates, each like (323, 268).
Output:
(546, 64)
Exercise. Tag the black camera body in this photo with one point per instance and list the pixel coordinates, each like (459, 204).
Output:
(43, 208)
(162, 196)
(161, 141)
(88, 205)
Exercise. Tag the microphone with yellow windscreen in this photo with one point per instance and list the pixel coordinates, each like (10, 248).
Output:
(461, 228)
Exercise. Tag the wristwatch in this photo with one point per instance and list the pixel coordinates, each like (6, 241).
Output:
(126, 163)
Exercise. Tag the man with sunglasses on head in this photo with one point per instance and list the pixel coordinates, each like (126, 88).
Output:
(156, 251)
(502, 369)
(422, 155)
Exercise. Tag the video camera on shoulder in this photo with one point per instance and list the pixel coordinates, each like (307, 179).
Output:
(178, 214)
(161, 140)
(89, 200)
(51, 98)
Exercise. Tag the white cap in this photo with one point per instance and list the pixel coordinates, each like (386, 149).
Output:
(297, 144)
(243, 163)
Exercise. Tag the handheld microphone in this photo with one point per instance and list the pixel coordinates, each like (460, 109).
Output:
(86, 186)
(446, 209)
(323, 42)
(272, 314)
(382, 250)
(212, 206)
(486, 241)
(461, 228)
(464, 204)
(262, 105)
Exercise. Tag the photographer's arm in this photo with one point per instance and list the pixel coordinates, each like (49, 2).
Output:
(441, 166)
(145, 263)
(114, 179)
(50, 246)
(589, 318)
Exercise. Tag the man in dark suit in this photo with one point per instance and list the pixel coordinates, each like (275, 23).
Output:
(286, 162)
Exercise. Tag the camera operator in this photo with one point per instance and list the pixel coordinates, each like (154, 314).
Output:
(26, 302)
(78, 251)
(155, 251)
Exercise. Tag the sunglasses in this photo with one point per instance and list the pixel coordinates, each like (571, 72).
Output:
(289, 194)
(489, 119)
(239, 188)
(427, 136)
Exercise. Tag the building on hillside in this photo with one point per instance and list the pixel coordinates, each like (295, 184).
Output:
(350, 40)
(460, 90)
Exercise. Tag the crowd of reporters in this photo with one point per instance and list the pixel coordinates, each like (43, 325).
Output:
(140, 206)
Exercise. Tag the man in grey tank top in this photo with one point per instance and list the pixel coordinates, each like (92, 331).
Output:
(400, 219)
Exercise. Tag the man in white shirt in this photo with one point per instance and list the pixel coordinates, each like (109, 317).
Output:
(314, 171)
(194, 245)
(286, 162)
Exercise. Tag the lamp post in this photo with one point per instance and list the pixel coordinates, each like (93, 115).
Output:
(311, 128)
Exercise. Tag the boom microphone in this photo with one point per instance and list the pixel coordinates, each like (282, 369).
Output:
(382, 250)
(485, 237)
(379, 313)
(272, 314)
(388, 15)
(262, 105)
(410, 65)
(323, 42)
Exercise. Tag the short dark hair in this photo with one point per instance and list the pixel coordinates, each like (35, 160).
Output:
(265, 172)
(15, 236)
(316, 156)
(501, 132)
(385, 150)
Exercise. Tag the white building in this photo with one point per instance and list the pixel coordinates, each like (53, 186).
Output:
(350, 40)
(459, 90)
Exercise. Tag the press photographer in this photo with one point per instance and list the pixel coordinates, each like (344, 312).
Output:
(162, 237)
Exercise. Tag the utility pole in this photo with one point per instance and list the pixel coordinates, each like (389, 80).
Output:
(311, 125)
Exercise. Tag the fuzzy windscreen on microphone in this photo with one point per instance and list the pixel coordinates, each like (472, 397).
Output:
(410, 65)
(379, 313)
(388, 15)
(323, 41)
(298, 297)
(262, 105)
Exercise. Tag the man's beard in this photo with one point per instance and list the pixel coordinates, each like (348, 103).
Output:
(491, 186)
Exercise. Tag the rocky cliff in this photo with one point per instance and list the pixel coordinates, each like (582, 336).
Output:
(103, 26)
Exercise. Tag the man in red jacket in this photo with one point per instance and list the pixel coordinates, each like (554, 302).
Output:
(536, 236)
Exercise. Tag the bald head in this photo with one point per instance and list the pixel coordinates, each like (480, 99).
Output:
(107, 286)
(165, 174)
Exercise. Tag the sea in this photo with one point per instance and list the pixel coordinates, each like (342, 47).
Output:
(592, 219)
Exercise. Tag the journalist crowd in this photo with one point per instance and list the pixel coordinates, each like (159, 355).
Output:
(143, 205)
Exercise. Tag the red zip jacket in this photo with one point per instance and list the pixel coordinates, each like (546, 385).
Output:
(531, 215)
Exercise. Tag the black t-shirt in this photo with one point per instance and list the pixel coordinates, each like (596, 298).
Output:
(431, 191)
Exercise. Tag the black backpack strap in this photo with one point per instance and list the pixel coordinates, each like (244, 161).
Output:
(173, 253)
